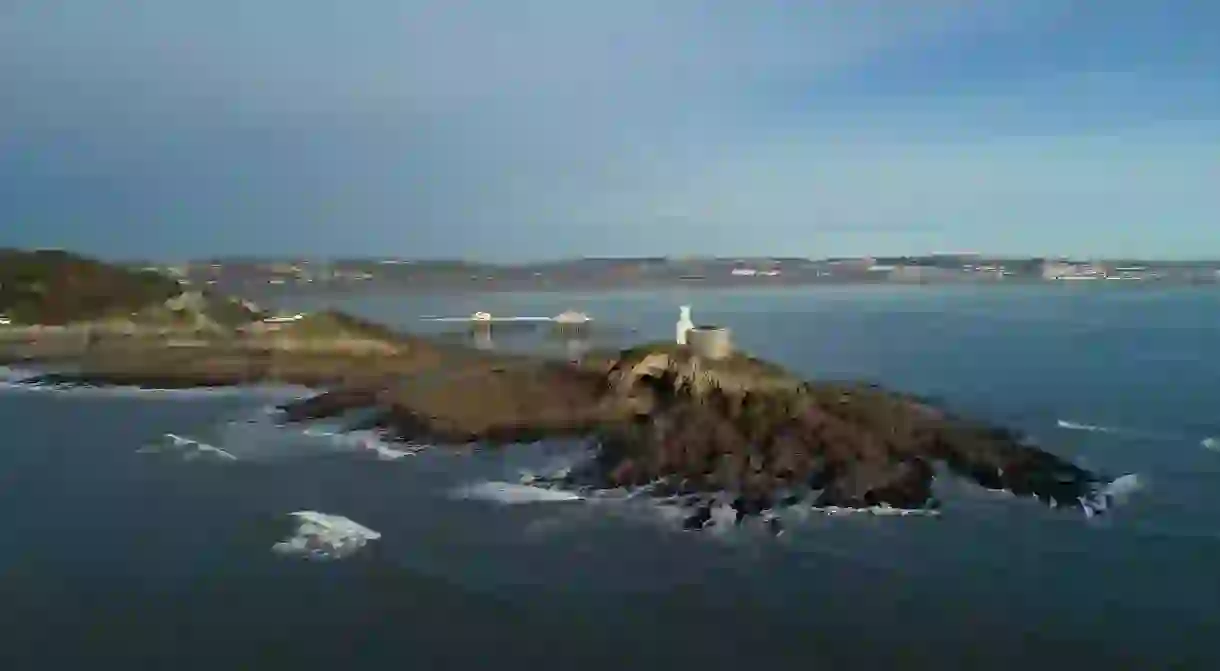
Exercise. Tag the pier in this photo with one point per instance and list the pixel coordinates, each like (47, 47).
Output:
(569, 318)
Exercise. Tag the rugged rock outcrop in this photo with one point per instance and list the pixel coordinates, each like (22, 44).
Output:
(743, 428)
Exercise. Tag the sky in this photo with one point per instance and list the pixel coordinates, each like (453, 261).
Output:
(510, 130)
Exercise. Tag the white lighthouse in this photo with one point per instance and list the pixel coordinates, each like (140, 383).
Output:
(684, 324)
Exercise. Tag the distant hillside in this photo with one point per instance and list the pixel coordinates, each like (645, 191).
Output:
(58, 287)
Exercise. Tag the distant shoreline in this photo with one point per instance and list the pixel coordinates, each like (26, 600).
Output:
(271, 291)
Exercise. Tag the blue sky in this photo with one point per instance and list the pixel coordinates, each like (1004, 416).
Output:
(512, 130)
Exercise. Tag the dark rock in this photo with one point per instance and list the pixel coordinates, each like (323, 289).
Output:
(330, 403)
(789, 500)
(701, 518)
(748, 506)
(901, 484)
(773, 524)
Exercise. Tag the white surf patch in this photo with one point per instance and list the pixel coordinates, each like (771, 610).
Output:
(1115, 492)
(877, 511)
(1208, 443)
(1091, 428)
(262, 436)
(637, 506)
(370, 441)
(1121, 432)
(511, 493)
(323, 537)
(187, 448)
(1121, 488)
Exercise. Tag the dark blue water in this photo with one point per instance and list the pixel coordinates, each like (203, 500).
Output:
(110, 556)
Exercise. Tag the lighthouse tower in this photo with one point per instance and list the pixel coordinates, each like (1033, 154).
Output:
(684, 324)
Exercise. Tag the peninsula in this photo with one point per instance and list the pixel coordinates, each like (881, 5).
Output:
(663, 418)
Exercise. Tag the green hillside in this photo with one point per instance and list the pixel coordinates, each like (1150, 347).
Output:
(58, 287)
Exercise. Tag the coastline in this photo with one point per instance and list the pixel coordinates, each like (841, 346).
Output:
(270, 293)
(679, 426)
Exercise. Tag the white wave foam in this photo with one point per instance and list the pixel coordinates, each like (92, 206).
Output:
(724, 517)
(723, 524)
(879, 511)
(1121, 488)
(1208, 443)
(263, 436)
(1120, 431)
(1092, 428)
(1117, 491)
(324, 537)
(513, 493)
(189, 448)
(636, 505)
(364, 440)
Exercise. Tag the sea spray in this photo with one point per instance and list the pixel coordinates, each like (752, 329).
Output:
(324, 537)
(511, 493)
(1079, 426)
(1122, 432)
(1105, 496)
(188, 449)
(262, 435)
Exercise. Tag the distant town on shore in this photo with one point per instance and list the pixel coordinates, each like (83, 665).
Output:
(352, 274)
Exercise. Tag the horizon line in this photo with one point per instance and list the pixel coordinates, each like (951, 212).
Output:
(660, 258)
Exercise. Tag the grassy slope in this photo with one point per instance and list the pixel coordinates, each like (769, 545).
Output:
(332, 324)
(57, 287)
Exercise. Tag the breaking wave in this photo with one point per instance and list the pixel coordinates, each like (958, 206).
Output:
(712, 513)
(510, 493)
(1112, 493)
(371, 441)
(1113, 430)
(323, 537)
(717, 512)
(1208, 443)
(262, 436)
(188, 449)
(1091, 428)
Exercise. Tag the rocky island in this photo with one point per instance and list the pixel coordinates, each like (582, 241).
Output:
(662, 418)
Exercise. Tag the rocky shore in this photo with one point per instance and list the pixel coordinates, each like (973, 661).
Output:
(664, 421)
(698, 431)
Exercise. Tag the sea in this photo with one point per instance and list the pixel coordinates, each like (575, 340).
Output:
(139, 529)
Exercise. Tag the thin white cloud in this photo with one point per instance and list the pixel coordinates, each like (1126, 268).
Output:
(332, 57)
